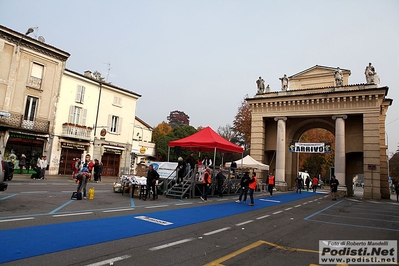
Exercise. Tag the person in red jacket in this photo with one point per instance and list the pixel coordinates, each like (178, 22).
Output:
(207, 181)
(315, 183)
(270, 184)
(252, 187)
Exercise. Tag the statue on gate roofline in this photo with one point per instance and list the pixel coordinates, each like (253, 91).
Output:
(284, 83)
(370, 73)
(339, 77)
(261, 85)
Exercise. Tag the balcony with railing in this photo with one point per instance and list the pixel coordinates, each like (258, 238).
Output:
(17, 121)
(76, 131)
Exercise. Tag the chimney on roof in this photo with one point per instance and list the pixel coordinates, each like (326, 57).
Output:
(88, 74)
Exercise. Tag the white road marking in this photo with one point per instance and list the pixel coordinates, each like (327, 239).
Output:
(172, 244)
(354, 200)
(108, 262)
(216, 231)
(262, 217)
(16, 219)
(34, 192)
(186, 203)
(270, 200)
(246, 222)
(297, 206)
(156, 206)
(72, 214)
(120, 210)
(277, 212)
(290, 208)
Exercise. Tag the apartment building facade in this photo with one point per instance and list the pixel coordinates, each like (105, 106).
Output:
(93, 117)
(30, 76)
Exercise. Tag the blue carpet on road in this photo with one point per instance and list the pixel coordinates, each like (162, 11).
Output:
(32, 241)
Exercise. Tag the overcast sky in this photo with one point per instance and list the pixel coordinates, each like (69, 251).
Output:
(204, 56)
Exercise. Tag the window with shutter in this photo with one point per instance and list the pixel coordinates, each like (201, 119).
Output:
(80, 94)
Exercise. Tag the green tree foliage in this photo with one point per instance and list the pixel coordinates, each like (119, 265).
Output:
(242, 124)
(161, 144)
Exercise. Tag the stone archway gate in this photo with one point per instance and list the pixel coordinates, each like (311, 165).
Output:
(355, 114)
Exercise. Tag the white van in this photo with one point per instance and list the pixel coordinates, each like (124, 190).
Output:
(305, 176)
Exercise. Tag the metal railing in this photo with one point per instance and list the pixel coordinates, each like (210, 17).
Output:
(76, 131)
(18, 121)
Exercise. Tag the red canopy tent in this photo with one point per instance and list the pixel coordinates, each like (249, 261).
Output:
(206, 140)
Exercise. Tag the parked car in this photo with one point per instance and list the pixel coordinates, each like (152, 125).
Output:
(3, 175)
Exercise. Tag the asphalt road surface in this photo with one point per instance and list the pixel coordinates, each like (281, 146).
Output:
(41, 225)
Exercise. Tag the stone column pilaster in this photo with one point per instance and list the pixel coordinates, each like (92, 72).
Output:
(340, 161)
(280, 149)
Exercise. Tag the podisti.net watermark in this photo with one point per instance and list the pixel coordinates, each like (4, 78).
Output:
(358, 251)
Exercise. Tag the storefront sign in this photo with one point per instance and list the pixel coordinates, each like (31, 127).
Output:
(21, 136)
(310, 147)
(110, 150)
(76, 146)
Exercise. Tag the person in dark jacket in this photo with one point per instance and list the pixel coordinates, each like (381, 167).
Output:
(244, 186)
(97, 171)
(334, 187)
(152, 177)
(181, 170)
(220, 180)
(190, 161)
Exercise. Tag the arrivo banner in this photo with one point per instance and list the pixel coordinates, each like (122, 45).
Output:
(310, 147)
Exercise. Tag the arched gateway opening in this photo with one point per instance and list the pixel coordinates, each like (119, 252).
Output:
(355, 114)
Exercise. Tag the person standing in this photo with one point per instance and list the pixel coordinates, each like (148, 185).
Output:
(315, 183)
(42, 165)
(207, 162)
(207, 181)
(22, 162)
(271, 181)
(233, 167)
(73, 168)
(244, 182)
(100, 170)
(97, 171)
(152, 177)
(190, 161)
(181, 170)
(299, 184)
(84, 174)
(252, 187)
(76, 168)
(220, 180)
(307, 183)
(334, 187)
